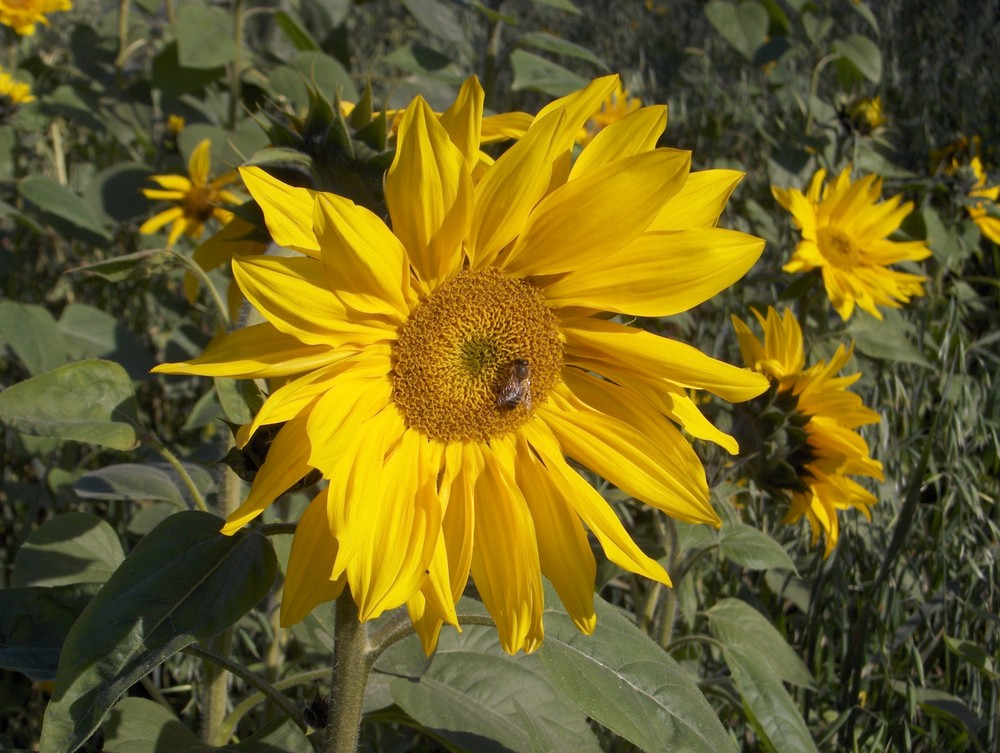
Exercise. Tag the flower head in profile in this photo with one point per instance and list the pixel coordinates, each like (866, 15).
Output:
(24, 15)
(845, 231)
(984, 200)
(865, 115)
(818, 401)
(13, 94)
(440, 373)
(615, 106)
(195, 199)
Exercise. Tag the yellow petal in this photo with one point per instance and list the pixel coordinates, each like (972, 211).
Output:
(646, 353)
(154, 194)
(621, 453)
(335, 420)
(592, 508)
(463, 120)
(287, 462)
(659, 274)
(157, 221)
(307, 581)
(505, 562)
(633, 134)
(367, 264)
(288, 210)
(293, 294)
(578, 106)
(597, 214)
(563, 549)
(200, 162)
(256, 352)
(178, 184)
(503, 126)
(429, 192)
(700, 202)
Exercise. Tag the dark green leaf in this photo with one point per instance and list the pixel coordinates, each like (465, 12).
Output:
(744, 25)
(886, 340)
(752, 549)
(51, 197)
(204, 35)
(87, 401)
(131, 266)
(772, 711)
(418, 58)
(117, 191)
(565, 5)
(973, 653)
(862, 54)
(327, 75)
(182, 583)
(437, 17)
(538, 74)
(300, 38)
(623, 680)
(92, 333)
(540, 40)
(136, 725)
(75, 547)
(143, 481)
(32, 333)
(477, 696)
(34, 623)
(175, 80)
(276, 736)
(738, 625)
(234, 406)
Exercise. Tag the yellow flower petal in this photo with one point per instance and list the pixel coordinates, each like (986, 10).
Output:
(634, 134)
(200, 162)
(700, 202)
(463, 120)
(157, 221)
(503, 126)
(288, 210)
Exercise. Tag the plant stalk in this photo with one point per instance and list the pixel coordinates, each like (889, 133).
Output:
(352, 661)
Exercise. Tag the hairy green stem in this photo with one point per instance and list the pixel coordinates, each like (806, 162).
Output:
(178, 466)
(123, 10)
(205, 280)
(348, 678)
(236, 72)
(215, 690)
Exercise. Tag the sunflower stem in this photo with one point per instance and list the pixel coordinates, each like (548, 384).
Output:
(177, 465)
(352, 661)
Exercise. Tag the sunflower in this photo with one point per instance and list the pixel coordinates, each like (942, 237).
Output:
(845, 235)
(986, 221)
(24, 15)
(13, 93)
(440, 373)
(615, 106)
(829, 415)
(197, 199)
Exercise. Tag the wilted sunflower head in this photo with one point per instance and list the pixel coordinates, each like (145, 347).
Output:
(845, 234)
(440, 372)
(798, 440)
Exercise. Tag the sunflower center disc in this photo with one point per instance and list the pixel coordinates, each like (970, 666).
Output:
(838, 248)
(476, 357)
(199, 201)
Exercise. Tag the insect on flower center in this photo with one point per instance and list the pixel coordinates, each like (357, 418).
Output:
(476, 357)
(838, 248)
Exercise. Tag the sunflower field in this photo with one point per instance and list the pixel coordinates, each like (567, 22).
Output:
(499, 375)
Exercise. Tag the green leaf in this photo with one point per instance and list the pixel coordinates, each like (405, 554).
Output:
(234, 406)
(204, 36)
(565, 5)
(973, 653)
(624, 681)
(144, 481)
(862, 55)
(474, 694)
(137, 725)
(743, 25)
(182, 583)
(51, 197)
(117, 191)
(297, 34)
(537, 73)
(141, 264)
(87, 401)
(92, 333)
(772, 711)
(418, 58)
(738, 625)
(327, 75)
(34, 623)
(175, 80)
(32, 333)
(886, 340)
(437, 17)
(753, 549)
(540, 40)
(75, 547)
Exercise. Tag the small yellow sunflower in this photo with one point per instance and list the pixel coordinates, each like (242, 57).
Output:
(24, 15)
(829, 414)
(987, 223)
(13, 93)
(845, 233)
(439, 373)
(615, 106)
(197, 199)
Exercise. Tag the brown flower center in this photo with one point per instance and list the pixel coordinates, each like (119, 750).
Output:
(837, 247)
(200, 201)
(476, 357)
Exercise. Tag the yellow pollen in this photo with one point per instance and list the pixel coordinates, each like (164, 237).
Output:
(837, 247)
(476, 357)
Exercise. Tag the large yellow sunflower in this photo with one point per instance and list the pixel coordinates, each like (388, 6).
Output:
(440, 372)
(845, 235)
(830, 414)
(984, 195)
(196, 198)
(24, 15)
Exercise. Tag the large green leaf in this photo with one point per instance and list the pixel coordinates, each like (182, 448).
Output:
(144, 481)
(478, 697)
(539, 74)
(753, 549)
(623, 680)
(60, 201)
(32, 333)
(75, 547)
(744, 24)
(184, 582)
(738, 625)
(204, 35)
(87, 401)
(34, 623)
(860, 54)
(92, 333)
(438, 17)
(888, 339)
(543, 41)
